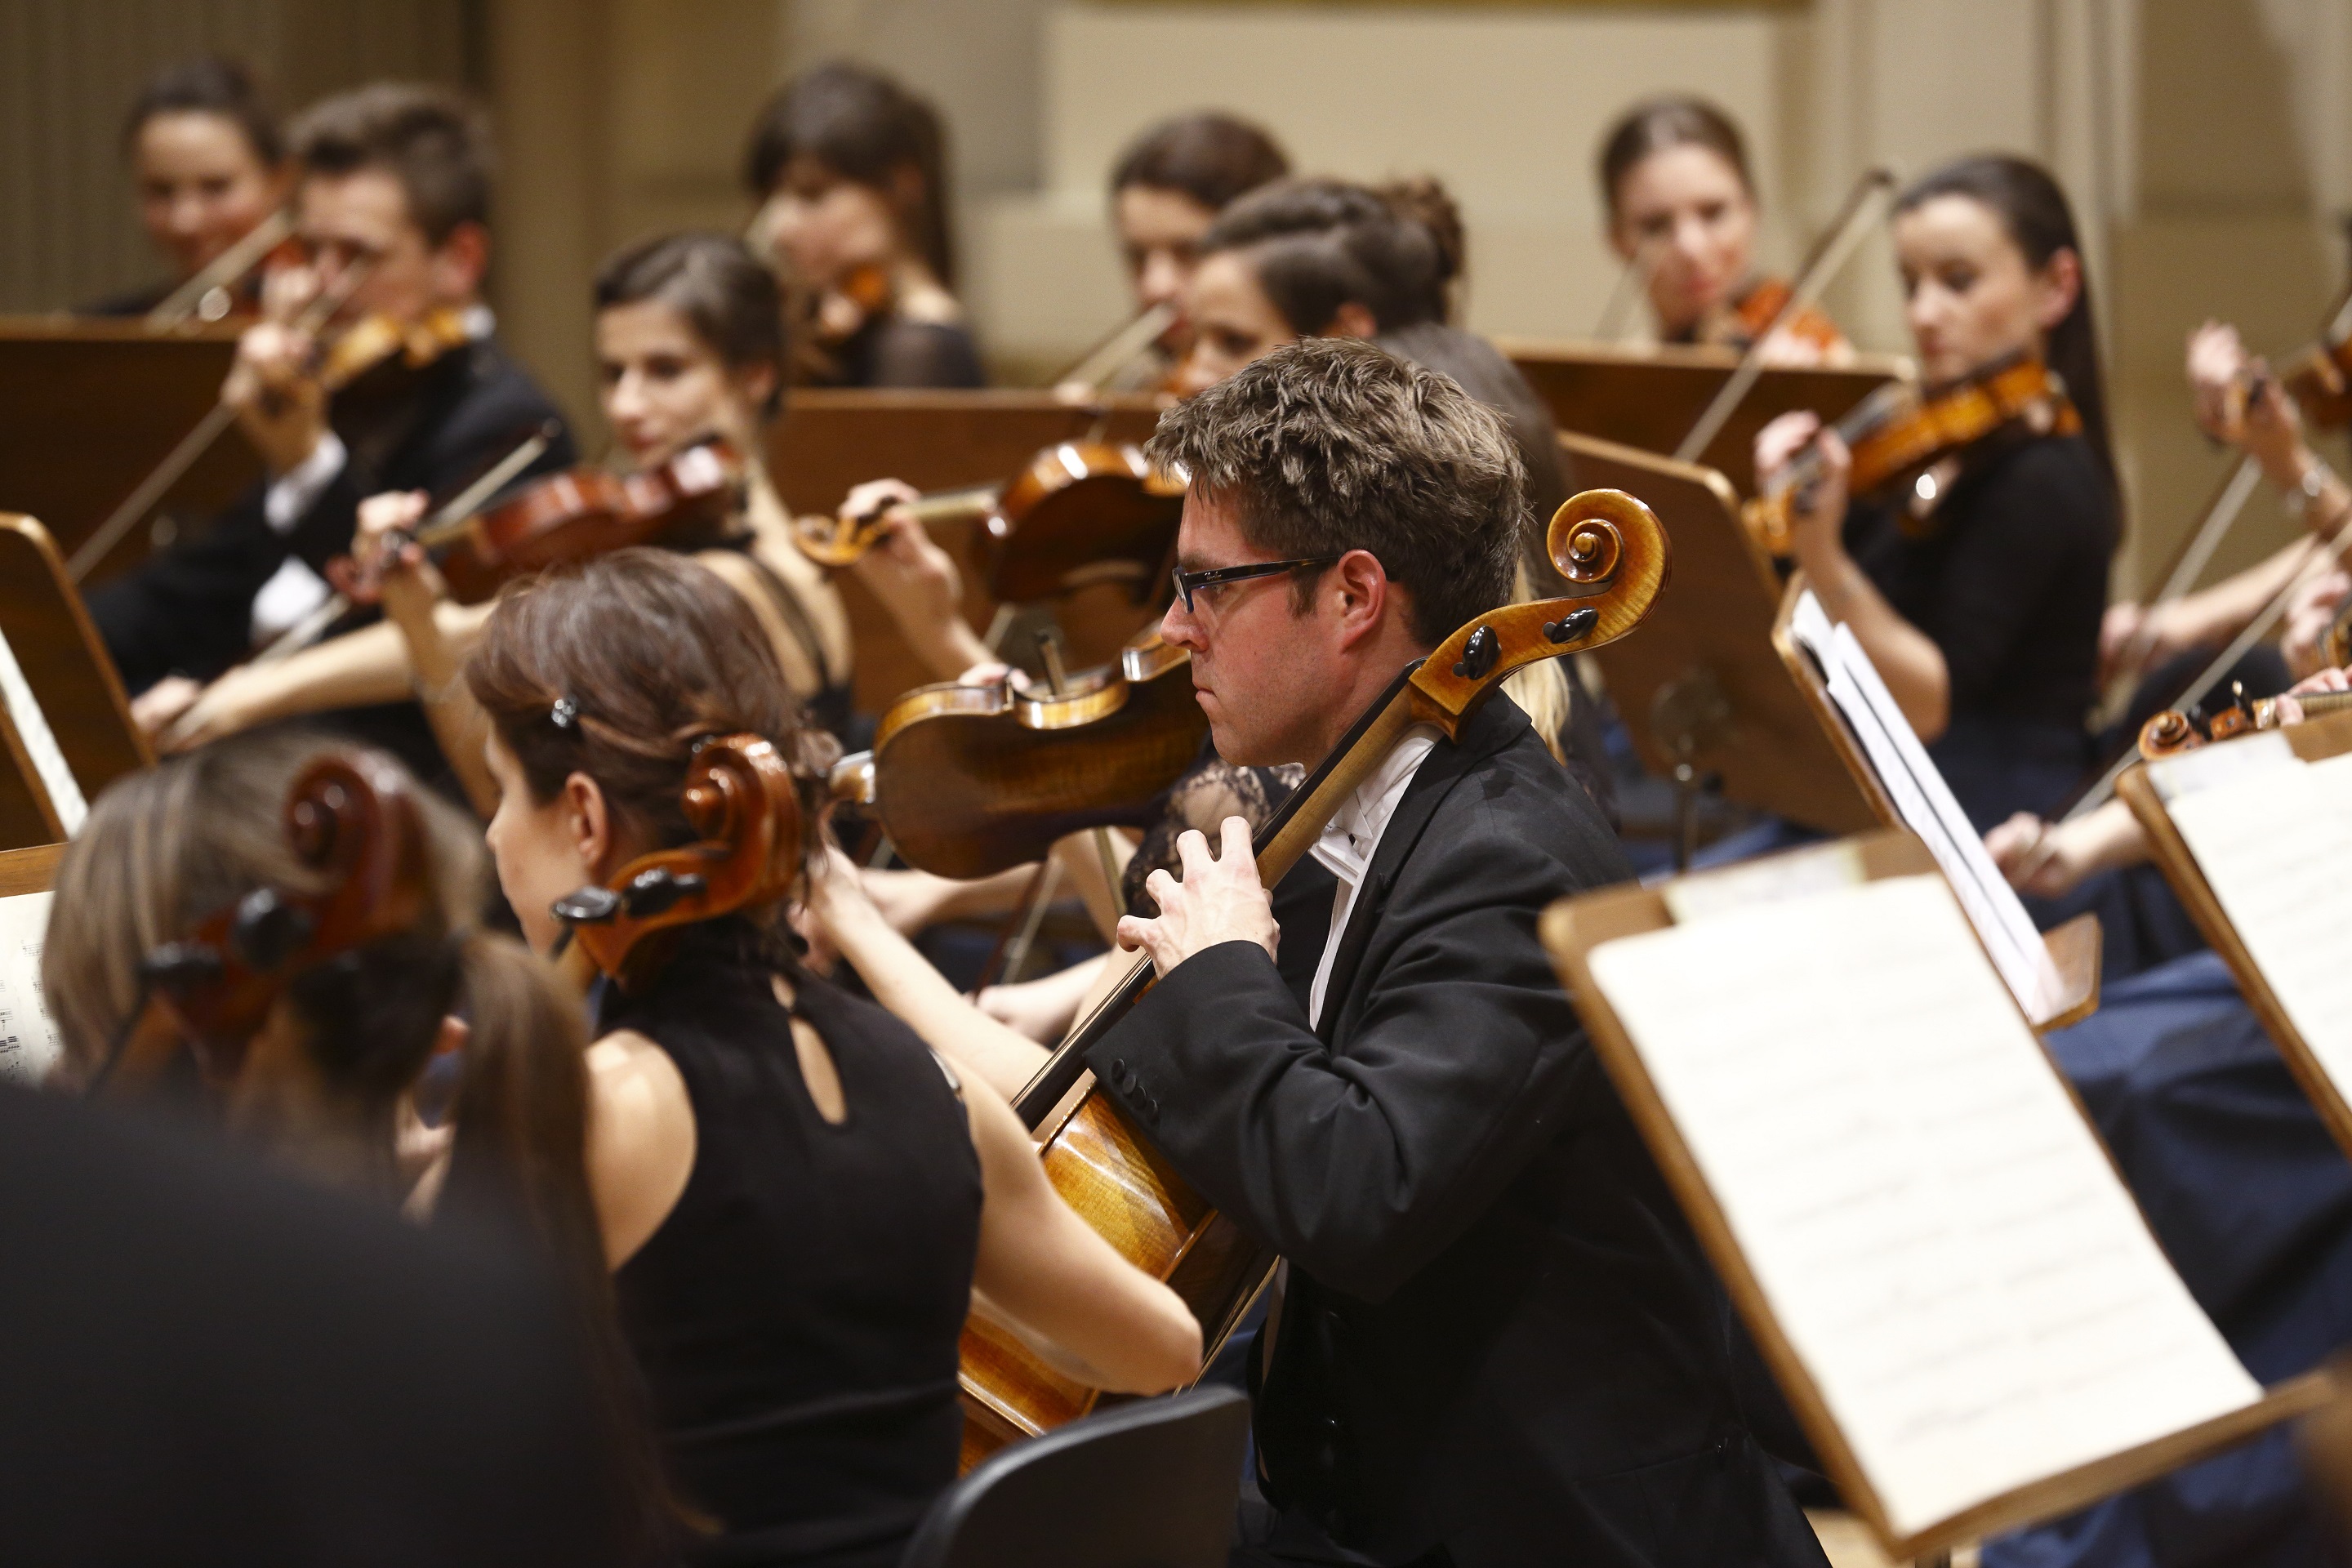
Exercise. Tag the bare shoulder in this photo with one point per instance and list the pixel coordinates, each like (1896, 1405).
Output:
(641, 1138)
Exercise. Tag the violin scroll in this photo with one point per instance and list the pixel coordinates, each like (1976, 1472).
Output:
(741, 797)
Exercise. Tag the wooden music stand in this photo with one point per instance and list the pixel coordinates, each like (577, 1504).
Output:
(2313, 742)
(2074, 947)
(29, 870)
(1700, 686)
(830, 440)
(92, 405)
(1651, 397)
(1572, 929)
(64, 661)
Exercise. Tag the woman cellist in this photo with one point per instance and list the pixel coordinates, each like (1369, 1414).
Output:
(1683, 217)
(800, 1202)
(688, 347)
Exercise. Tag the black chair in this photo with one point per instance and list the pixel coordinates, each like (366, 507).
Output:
(1149, 1485)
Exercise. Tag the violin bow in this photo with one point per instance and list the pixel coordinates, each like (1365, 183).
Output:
(1116, 353)
(1831, 254)
(1632, 280)
(459, 511)
(227, 268)
(200, 439)
(2323, 554)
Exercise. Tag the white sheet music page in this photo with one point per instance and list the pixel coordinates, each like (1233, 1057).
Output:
(1935, 1227)
(1928, 809)
(2275, 845)
(40, 742)
(29, 1040)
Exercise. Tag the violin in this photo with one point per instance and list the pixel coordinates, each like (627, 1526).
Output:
(1614, 553)
(969, 780)
(1078, 514)
(741, 797)
(348, 816)
(2176, 731)
(1900, 431)
(1753, 315)
(586, 511)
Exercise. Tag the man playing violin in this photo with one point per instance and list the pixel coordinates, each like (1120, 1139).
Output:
(393, 208)
(1496, 1341)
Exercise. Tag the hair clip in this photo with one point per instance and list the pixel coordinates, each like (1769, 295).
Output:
(565, 714)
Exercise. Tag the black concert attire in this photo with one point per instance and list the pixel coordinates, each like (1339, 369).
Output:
(195, 608)
(2008, 577)
(1498, 1342)
(892, 351)
(796, 1315)
(207, 1362)
(829, 707)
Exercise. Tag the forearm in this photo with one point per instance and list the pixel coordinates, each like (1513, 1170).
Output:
(903, 981)
(2213, 617)
(948, 646)
(436, 635)
(358, 670)
(1908, 661)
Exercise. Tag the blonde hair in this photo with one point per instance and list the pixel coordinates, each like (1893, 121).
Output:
(1542, 688)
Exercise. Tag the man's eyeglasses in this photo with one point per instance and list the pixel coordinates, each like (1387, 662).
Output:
(1190, 583)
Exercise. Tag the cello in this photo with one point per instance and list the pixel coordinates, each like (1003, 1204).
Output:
(350, 817)
(1612, 553)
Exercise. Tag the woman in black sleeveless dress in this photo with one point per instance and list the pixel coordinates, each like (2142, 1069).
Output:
(799, 1201)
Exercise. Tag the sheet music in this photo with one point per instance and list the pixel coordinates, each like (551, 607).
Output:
(2275, 843)
(40, 743)
(28, 1039)
(1926, 805)
(1935, 1227)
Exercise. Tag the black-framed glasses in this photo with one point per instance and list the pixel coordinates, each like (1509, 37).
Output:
(1189, 582)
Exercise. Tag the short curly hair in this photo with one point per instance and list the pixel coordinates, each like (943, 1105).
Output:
(1331, 443)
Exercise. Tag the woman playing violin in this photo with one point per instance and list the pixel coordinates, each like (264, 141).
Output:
(688, 347)
(1979, 600)
(799, 1201)
(208, 163)
(1682, 211)
(853, 173)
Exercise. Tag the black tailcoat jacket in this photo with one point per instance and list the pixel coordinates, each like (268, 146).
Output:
(1499, 1342)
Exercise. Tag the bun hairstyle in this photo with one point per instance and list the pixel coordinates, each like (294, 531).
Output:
(209, 84)
(1318, 244)
(649, 653)
(713, 280)
(1211, 157)
(866, 128)
(1657, 124)
(2033, 210)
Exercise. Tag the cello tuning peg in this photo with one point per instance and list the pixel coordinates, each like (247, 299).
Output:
(588, 906)
(651, 892)
(1572, 626)
(1478, 655)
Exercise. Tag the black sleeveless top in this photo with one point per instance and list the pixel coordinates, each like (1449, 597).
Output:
(796, 1315)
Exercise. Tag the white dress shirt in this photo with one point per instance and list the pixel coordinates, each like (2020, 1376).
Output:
(1353, 838)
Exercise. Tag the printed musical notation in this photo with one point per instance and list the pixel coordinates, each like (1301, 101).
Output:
(1936, 1228)
(28, 1037)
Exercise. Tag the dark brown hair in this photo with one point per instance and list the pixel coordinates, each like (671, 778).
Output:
(1328, 445)
(1318, 244)
(1656, 124)
(432, 140)
(2034, 212)
(209, 84)
(718, 285)
(867, 128)
(1212, 157)
(653, 654)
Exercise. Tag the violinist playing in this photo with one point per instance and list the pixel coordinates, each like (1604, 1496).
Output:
(393, 201)
(851, 169)
(209, 164)
(688, 347)
(1978, 594)
(1683, 217)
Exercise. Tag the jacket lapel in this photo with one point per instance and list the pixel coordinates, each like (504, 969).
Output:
(1492, 728)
